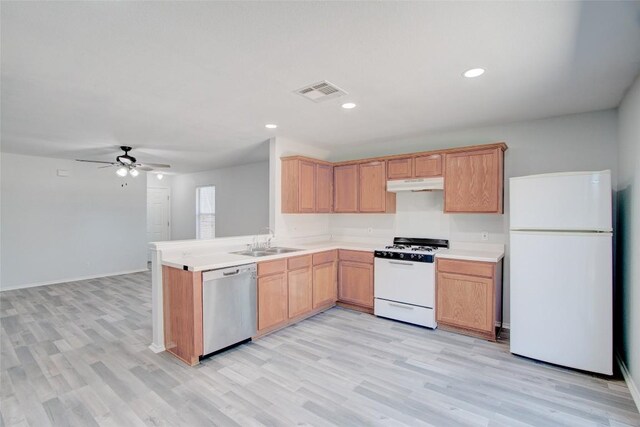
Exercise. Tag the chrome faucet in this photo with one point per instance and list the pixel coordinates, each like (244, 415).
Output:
(257, 245)
(272, 236)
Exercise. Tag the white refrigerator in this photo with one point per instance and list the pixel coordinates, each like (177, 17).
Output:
(561, 269)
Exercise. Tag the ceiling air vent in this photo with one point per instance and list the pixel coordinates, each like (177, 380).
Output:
(321, 91)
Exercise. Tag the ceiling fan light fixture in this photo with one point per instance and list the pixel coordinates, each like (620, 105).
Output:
(122, 171)
(159, 176)
(133, 172)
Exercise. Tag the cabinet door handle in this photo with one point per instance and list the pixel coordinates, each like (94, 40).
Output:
(406, 307)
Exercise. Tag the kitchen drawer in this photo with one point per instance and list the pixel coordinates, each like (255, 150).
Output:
(297, 262)
(356, 256)
(470, 268)
(271, 267)
(405, 312)
(324, 257)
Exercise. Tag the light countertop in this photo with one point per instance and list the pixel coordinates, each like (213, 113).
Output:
(471, 254)
(212, 261)
(224, 259)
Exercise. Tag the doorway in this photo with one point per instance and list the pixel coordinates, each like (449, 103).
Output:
(158, 215)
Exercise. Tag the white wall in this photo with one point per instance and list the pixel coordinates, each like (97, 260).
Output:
(575, 142)
(57, 229)
(154, 182)
(629, 229)
(242, 200)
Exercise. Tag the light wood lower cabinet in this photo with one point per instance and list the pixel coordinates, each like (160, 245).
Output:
(182, 311)
(272, 301)
(291, 289)
(355, 279)
(325, 289)
(300, 292)
(468, 297)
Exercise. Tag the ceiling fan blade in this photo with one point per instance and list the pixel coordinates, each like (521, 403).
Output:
(144, 168)
(108, 166)
(95, 161)
(155, 165)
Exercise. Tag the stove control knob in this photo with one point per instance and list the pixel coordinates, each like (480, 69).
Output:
(401, 255)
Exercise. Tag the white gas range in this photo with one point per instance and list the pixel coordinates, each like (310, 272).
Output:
(405, 280)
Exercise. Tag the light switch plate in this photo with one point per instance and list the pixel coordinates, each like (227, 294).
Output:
(63, 172)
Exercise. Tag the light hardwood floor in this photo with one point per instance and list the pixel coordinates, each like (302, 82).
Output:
(76, 354)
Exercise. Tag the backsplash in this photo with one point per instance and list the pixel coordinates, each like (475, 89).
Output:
(420, 215)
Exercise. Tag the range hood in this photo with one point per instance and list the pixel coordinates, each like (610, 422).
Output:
(416, 184)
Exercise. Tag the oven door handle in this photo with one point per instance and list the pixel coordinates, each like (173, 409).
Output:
(400, 263)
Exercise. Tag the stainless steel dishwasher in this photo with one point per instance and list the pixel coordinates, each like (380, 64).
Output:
(229, 306)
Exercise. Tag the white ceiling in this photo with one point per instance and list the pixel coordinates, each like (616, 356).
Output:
(193, 84)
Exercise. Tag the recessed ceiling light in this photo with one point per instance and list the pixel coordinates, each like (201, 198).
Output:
(474, 72)
(270, 126)
(348, 105)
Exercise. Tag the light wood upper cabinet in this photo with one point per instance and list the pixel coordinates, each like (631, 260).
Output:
(272, 300)
(473, 181)
(372, 188)
(300, 291)
(427, 166)
(400, 168)
(468, 296)
(345, 188)
(473, 178)
(373, 196)
(307, 187)
(324, 188)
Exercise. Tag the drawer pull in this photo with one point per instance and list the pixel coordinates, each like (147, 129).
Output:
(406, 307)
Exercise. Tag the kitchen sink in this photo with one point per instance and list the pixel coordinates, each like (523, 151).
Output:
(282, 250)
(266, 252)
(253, 253)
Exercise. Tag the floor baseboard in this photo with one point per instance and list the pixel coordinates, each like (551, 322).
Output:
(633, 388)
(156, 348)
(73, 279)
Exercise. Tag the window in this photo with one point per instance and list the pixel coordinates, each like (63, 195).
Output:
(206, 212)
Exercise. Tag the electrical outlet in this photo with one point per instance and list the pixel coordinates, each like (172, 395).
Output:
(484, 235)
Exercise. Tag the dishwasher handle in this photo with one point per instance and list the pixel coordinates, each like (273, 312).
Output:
(228, 272)
(231, 273)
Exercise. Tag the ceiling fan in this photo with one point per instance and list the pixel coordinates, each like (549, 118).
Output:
(126, 164)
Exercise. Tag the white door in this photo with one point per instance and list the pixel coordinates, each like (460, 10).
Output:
(158, 214)
(561, 298)
(577, 201)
